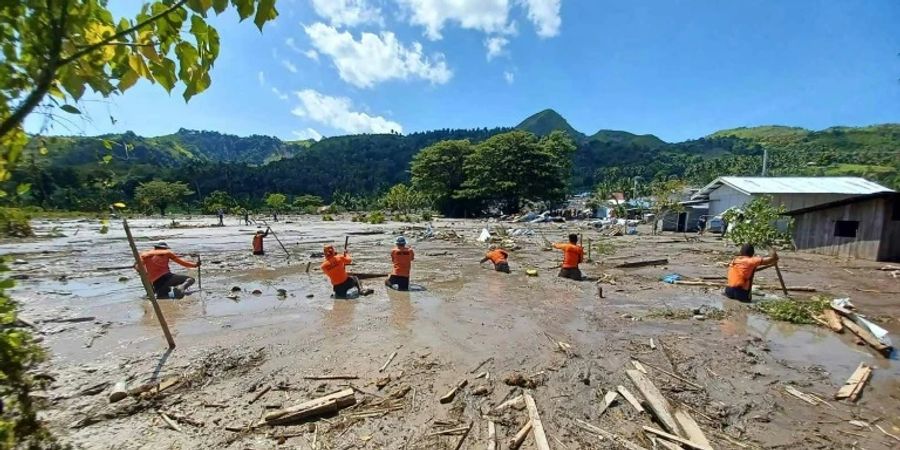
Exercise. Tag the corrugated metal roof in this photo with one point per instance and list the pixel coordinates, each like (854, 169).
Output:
(795, 185)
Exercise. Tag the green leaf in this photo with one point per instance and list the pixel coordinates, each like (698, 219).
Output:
(245, 8)
(264, 13)
(128, 80)
(164, 73)
(200, 6)
(23, 188)
(220, 5)
(70, 109)
(107, 143)
(187, 58)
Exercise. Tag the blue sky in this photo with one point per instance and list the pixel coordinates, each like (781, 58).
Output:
(680, 69)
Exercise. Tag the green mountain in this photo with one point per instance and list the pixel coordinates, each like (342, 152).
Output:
(547, 121)
(74, 171)
(624, 137)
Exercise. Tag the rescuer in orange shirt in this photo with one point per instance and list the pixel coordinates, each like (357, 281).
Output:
(258, 241)
(156, 262)
(498, 257)
(335, 269)
(573, 254)
(402, 257)
(741, 271)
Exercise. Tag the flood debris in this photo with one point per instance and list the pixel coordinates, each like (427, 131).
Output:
(853, 387)
(448, 397)
(329, 404)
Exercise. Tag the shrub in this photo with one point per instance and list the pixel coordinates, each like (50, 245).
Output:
(427, 216)
(376, 217)
(327, 218)
(15, 223)
(794, 311)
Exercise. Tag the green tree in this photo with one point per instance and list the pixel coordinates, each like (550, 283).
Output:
(404, 199)
(217, 200)
(306, 201)
(158, 194)
(511, 168)
(667, 196)
(759, 223)
(438, 172)
(54, 50)
(276, 201)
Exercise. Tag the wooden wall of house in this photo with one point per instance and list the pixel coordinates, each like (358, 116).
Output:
(890, 232)
(815, 231)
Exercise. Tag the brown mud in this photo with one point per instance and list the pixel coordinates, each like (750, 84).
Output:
(469, 321)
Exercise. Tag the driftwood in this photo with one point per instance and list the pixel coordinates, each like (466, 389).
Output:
(330, 377)
(448, 397)
(660, 406)
(388, 362)
(630, 398)
(329, 404)
(492, 435)
(119, 391)
(646, 262)
(517, 440)
(625, 443)
(678, 439)
(833, 320)
(854, 385)
(691, 429)
(608, 400)
(260, 394)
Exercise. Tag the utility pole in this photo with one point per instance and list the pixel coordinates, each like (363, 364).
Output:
(765, 161)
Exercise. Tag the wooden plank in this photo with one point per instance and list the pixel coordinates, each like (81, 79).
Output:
(608, 399)
(667, 445)
(603, 433)
(540, 438)
(691, 428)
(866, 336)
(801, 395)
(630, 398)
(637, 365)
(658, 404)
(391, 358)
(834, 322)
(492, 435)
(448, 397)
(675, 438)
(853, 387)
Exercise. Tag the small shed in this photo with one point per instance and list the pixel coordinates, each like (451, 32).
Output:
(865, 227)
(792, 192)
(687, 220)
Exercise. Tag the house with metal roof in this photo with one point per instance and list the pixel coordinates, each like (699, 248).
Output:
(793, 193)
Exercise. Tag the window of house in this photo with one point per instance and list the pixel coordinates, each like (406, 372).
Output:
(846, 228)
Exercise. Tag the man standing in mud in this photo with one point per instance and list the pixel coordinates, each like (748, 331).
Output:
(573, 254)
(258, 241)
(741, 271)
(402, 257)
(335, 269)
(498, 257)
(156, 262)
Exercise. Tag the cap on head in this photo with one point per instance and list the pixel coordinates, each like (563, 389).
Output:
(161, 245)
(401, 241)
(329, 250)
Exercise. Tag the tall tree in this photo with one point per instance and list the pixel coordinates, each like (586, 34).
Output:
(438, 172)
(511, 168)
(276, 201)
(161, 194)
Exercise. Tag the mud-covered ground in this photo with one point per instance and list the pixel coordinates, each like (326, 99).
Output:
(239, 358)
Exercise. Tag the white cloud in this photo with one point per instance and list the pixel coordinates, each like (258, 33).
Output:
(509, 77)
(308, 133)
(489, 16)
(348, 12)
(261, 77)
(376, 58)
(544, 14)
(495, 46)
(291, 44)
(337, 112)
(279, 94)
(289, 66)
(312, 54)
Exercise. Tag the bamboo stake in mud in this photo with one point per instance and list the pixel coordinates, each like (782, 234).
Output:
(286, 252)
(781, 280)
(142, 271)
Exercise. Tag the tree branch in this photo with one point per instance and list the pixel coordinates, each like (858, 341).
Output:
(120, 34)
(45, 80)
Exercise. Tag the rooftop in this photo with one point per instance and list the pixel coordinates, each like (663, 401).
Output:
(794, 185)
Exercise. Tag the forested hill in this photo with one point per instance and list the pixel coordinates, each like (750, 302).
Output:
(64, 171)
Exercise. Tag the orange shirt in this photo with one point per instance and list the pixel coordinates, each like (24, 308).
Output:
(402, 258)
(572, 255)
(156, 262)
(497, 256)
(258, 243)
(334, 268)
(740, 271)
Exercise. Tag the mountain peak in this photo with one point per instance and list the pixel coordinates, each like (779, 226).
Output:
(547, 121)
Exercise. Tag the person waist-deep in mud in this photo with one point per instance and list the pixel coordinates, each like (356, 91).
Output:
(402, 258)
(741, 271)
(156, 262)
(498, 257)
(258, 241)
(335, 268)
(573, 254)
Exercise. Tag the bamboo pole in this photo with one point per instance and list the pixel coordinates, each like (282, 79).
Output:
(276, 238)
(781, 280)
(142, 271)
